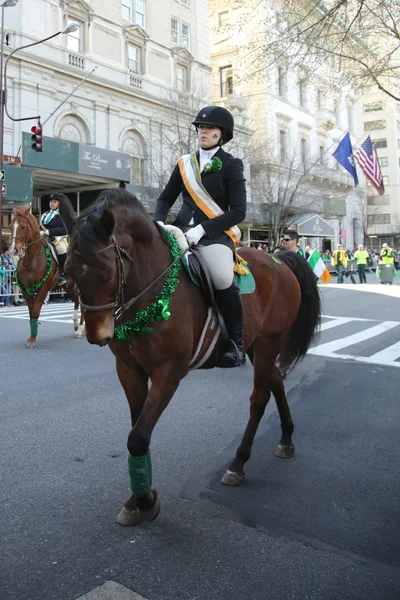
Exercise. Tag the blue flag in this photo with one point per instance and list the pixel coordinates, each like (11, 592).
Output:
(344, 156)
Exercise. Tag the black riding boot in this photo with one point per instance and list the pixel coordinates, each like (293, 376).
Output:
(62, 281)
(230, 305)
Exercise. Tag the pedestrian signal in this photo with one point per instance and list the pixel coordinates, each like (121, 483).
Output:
(37, 138)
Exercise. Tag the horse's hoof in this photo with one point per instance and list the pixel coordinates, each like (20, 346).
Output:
(78, 336)
(284, 451)
(128, 518)
(30, 345)
(232, 478)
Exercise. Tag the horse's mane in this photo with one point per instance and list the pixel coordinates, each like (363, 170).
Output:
(86, 233)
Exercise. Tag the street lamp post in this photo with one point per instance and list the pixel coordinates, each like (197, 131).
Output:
(3, 4)
(73, 26)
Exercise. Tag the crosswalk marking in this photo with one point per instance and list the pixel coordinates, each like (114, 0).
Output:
(355, 338)
(388, 356)
(336, 321)
(54, 313)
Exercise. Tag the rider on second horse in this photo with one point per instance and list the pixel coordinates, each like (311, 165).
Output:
(213, 189)
(52, 226)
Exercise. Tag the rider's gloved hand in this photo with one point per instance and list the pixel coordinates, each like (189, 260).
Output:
(194, 235)
(42, 233)
(160, 223)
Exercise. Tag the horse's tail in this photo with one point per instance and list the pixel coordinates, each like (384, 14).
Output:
(306, 326)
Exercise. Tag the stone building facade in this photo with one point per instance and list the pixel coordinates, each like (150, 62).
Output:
(297, 122)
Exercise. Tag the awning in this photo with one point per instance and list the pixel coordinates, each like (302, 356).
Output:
(69, 166)
(312, 225)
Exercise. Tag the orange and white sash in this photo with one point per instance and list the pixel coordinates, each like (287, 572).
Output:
(190, 173)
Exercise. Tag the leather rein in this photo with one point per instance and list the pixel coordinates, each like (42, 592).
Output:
(119, 303)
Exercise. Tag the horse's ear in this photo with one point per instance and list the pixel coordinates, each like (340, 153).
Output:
(25, 211)
(105, 225)
(67, 212)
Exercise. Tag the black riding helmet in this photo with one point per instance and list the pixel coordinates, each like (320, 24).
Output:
(219, 117)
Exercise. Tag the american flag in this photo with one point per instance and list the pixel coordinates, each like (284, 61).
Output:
(368, 161)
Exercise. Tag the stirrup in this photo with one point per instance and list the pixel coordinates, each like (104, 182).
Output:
(232, 357)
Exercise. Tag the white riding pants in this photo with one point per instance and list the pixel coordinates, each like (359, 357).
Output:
(219, 261)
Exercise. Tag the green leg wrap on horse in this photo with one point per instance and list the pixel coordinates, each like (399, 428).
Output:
(140, 473)
(34, 327)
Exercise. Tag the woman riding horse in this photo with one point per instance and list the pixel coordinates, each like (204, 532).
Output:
(52, 226)
(37, 271)
(214, 203)
(140, 302)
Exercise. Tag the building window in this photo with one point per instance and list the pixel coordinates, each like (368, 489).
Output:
(373, 125)
(127, 10)
(304, 151)
(379, 219)
(379, 143)
(134, 146)
(383, 161)
(283, 144)
(140, 13)
(223, 18)
(385, 179)
(226, 81)
(174, 30)
(186, 36)
(281, 82)
(186, 2)
(349, 117)
(373, 106)
(302, 93)
(134, 59)
(74, 40)
(181, 78)
(73, 129)
(320, 99)
(378, 200)
(321, 154)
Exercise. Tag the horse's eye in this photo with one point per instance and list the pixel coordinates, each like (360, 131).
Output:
(22, 226)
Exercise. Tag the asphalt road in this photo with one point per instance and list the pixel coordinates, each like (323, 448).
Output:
(322, 526)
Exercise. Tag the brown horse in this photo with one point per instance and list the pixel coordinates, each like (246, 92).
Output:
(152, 322)
(37, 270)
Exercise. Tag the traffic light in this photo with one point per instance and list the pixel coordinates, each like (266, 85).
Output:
(37, 138)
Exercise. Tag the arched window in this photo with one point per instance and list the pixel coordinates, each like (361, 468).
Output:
(134, 145)
(73, 129)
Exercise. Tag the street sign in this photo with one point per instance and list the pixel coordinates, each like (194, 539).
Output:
(3, 188)
(11, 160)
(2, 175)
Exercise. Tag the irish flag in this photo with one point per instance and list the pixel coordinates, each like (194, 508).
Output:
(318, 266)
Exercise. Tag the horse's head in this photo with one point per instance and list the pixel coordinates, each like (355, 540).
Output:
(24, 228)
(98, 259)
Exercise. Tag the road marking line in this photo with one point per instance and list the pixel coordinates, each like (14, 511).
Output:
(330, 347)
(111, 590)
(335, 323)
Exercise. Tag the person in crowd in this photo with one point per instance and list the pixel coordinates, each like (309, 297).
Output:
(7, 267)
(361, 257)
(212, 183)
(52, 226)
(339, 261)
(290, 241)
(386, 254)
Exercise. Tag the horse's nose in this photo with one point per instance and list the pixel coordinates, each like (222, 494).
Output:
(101, 342)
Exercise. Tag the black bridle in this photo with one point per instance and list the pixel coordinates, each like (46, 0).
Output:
(119, 305)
